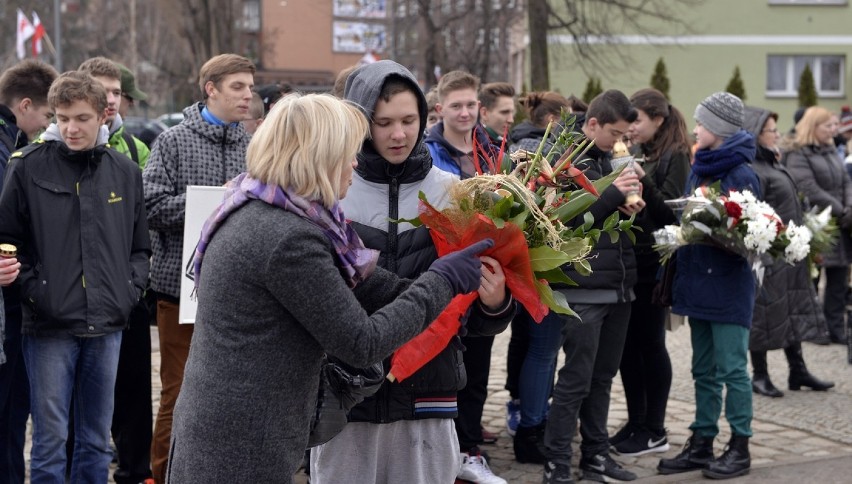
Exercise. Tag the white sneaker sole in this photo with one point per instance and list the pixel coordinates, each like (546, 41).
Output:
(660, 448)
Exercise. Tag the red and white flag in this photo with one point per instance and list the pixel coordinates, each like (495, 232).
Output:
(37, 34)
(25, 31)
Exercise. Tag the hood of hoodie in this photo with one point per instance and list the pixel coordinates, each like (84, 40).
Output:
(754, 119)
(525, 130)
(363, 87)
(216, 134)
(116, 125)
(52, 134)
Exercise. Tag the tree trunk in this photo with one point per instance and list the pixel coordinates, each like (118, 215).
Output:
(538, 52)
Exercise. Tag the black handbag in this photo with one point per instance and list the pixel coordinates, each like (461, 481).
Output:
(662, 293)
(341, 387)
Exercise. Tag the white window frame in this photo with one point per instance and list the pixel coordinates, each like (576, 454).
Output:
(791, 82)
(808, 2)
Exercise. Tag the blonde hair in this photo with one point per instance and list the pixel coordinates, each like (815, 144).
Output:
(806, 127)
(305, 142)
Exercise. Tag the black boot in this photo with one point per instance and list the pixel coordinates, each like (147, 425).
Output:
(736, 460)
(799, 374)
(760, 382)
(529, 444)
(696, 454)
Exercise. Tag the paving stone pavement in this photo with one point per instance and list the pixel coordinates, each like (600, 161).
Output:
(801, 427)
(803, 437)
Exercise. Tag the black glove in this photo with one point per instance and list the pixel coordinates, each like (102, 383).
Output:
(462, 267)
(845, 220)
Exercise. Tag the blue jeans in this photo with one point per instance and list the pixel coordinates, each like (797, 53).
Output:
(59, 366)
(720, 358)
(536, 381)
(14, 401)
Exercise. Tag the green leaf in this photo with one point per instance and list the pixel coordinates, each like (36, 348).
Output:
(611, 221)
(588, 221)
(544, 258)
(520, 219)
(613, 236)
(555, 301)
(502, 208)
(583, 267)
(555, 275)
(413, 221)
(576, 247)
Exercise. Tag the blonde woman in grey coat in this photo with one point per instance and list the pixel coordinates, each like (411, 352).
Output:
(818, 171)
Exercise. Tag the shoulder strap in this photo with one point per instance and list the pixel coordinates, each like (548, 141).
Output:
(662, 169)
(131, 145)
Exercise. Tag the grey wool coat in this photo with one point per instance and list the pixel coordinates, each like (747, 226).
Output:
(821, 177)
(271, 302)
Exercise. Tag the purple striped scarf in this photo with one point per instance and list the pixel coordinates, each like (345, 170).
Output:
(354, 261)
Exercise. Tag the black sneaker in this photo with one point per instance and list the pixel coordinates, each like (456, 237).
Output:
(602, 466)
(642, 442)
(623, 434)
(557, 474)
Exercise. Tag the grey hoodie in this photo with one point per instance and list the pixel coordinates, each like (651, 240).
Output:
(363, 88)
(52, 133)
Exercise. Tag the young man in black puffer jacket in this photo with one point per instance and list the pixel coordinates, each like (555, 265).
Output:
(594, 341)
(405, 433)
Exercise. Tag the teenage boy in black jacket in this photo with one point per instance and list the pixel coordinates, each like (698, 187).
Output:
(76, 212)
(593, 343)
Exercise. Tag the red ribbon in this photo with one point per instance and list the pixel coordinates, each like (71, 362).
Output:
(510, 249)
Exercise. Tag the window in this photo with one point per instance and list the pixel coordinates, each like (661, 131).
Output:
(251, 16)
(783, 73)
(808, 2)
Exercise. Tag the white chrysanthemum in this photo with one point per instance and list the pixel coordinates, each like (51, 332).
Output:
(800, 239)
(760, 233)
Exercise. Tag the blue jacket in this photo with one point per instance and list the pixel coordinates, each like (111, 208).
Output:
(446, 157)
(713, 284)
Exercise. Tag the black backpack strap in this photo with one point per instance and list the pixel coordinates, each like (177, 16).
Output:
(131, 145)
(662, 169)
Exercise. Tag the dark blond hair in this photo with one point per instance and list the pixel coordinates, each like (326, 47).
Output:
(491, 92)
(101, 67)
(456, 81)
(340, 81)
(221, 66)
(305, 142)
(75, 86)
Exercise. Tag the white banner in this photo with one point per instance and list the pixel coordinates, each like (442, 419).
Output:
(358, 37)
(360, 8)
(200, 204)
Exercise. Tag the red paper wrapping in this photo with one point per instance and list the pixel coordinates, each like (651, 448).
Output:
(510, 249)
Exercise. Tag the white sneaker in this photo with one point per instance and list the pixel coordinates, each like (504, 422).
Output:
(475, 469)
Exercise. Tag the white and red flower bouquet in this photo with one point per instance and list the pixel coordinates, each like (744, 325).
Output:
(744, 225)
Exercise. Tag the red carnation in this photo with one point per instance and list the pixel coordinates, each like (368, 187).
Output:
(734, 210)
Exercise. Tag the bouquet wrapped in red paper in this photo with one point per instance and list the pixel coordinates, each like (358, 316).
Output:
(525, 211)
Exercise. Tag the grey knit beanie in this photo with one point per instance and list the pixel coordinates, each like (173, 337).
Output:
(721, 113)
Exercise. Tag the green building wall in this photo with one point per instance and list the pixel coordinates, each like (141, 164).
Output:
(723, 34)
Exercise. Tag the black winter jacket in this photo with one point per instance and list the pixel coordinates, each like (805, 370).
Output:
(78, 220)
(613, 265)
(786, 308)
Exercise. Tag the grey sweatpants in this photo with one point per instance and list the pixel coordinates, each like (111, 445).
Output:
(409, 451)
